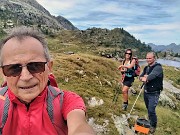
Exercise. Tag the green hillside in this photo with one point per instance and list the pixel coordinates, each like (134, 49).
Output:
(93, 76)
(80, 68)
(102, 42)
(86, 62)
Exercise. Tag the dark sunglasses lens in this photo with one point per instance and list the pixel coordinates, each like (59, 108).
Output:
(36, 67)
(129, 53)
(12, 70)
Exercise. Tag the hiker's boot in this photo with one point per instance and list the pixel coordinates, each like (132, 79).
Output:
(152, 130)
(124, 107)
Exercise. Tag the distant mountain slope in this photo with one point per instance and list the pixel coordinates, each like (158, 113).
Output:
(30, 13)
(104, 42)
(172, 47)
(66, 23)
(116, 38)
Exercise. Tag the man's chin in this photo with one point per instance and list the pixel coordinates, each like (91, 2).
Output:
(27, 99)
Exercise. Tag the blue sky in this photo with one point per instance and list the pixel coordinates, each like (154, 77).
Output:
(151, 21)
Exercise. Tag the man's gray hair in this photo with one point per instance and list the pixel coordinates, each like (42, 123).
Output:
(23, 32)
(152, 53)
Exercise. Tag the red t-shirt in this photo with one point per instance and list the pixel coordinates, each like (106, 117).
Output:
(35, 120)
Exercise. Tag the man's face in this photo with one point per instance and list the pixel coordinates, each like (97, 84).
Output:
(150, 59)
(25, 86)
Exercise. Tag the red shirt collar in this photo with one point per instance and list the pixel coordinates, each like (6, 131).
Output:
(39, 98)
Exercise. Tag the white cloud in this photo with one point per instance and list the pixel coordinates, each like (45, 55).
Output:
(163, 34)
(160, 27)
(153, 20)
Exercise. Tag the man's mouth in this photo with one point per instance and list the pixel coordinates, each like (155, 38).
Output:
(28, 87)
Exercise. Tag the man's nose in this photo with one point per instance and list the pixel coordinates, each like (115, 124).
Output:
(25, 74)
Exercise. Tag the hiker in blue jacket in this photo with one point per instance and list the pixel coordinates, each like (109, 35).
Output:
(152, 76)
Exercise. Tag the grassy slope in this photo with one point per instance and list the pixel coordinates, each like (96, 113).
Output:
(93, 82)
(97, 69)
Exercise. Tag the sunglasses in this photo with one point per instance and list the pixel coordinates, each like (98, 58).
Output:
(129, 53)
(16, 69)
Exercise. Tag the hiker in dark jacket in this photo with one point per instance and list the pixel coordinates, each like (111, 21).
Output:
(152, 76)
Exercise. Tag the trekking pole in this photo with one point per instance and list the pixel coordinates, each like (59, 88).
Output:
(134, 103)
(137, 98)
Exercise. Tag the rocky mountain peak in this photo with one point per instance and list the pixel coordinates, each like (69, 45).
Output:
(30, 13)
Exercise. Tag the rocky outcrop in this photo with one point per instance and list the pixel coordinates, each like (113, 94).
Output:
(165, 100)
(31, 13)
(169, 96)
(99, 129)
(124, 124)
(66, 23)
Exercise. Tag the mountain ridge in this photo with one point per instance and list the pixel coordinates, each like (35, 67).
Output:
(93, 76)
(30, 13)
(163, 48)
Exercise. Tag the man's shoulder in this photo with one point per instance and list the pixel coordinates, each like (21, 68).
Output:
(157, 64)
(68, 93)
(72, 98)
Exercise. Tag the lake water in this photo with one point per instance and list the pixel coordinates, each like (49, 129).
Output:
(164, 62)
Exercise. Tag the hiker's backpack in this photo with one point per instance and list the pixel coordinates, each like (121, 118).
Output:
(142, 125)
(136, 68)
(52, 93)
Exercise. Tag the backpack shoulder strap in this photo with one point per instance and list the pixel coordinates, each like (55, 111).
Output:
(146, 69)
(52, 93)
(123, 62)
(3, 91)
(6, 108)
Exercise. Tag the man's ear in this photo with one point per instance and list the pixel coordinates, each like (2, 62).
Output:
(1, 73)
(2, 76)
(50, 64)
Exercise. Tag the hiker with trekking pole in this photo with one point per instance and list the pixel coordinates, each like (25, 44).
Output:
(29, 104)
(152, 77)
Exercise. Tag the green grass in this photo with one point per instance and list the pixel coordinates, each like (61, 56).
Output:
(173, 75)
(88, 86)
(97, 73)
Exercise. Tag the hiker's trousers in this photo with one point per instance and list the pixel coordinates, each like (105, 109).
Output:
(151, 101)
